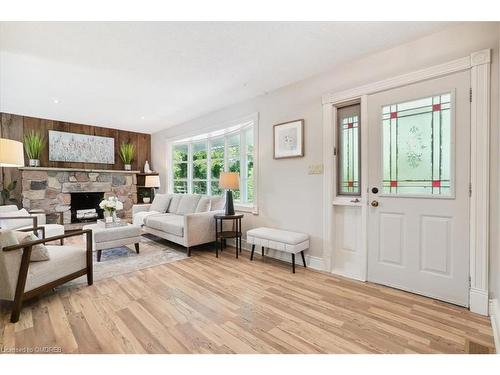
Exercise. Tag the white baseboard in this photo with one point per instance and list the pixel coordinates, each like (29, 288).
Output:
(313, 262)
(495, 322)
(479, 301)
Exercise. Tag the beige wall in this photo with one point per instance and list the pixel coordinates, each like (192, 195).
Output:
(288, 196)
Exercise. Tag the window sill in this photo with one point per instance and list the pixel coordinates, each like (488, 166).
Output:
(246, 208)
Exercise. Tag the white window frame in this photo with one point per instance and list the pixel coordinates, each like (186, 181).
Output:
(225, 130)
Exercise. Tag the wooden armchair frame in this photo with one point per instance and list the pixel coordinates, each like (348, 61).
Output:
(20, 294)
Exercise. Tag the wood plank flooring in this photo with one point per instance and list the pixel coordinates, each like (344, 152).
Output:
(227, 305)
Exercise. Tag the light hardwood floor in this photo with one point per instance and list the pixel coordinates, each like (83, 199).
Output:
(227, 305)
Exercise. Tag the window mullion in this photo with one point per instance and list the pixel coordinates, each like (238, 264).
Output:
(243, 167)
(190, 168)
(209, 167)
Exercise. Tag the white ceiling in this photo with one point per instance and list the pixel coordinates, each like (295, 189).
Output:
(147, 76)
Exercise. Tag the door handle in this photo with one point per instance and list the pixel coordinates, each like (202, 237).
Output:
(374, 203)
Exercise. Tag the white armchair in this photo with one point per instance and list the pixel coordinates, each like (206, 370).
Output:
(13, 218)
(21, 279)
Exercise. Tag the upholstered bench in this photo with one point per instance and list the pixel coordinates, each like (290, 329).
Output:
(277, 239)
(108, 238)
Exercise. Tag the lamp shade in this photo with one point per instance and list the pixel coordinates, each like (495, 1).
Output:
(11, 153)
(152, 181)
(229, 180)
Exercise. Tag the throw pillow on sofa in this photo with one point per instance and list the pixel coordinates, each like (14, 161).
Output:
(218, 203)
(188, 204)
(203, 205)
(161, 203)
(174, 204)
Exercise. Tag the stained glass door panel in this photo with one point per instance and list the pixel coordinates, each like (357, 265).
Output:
(416, 147)
(348, 119)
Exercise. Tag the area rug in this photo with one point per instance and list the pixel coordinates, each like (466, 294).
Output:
(121, 260)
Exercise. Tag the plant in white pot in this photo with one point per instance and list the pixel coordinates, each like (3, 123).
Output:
(110, 206)
(34, 143)
(127, 154)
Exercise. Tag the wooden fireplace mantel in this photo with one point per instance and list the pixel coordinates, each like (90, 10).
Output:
(77, 170)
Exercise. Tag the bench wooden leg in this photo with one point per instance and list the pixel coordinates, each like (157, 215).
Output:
(303, 258)
(262, 250)
(136, 248)
(189, 251)
(253, 249)
(293, 263)
(99, 253)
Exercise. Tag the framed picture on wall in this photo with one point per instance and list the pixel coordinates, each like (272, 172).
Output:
(288, 139)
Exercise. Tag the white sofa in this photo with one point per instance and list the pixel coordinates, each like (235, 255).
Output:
(23, 222)
(186, 219)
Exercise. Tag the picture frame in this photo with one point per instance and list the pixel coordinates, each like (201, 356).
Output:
(288, 139)
(81, 148)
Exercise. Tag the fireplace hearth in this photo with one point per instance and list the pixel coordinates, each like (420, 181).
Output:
(85, 207)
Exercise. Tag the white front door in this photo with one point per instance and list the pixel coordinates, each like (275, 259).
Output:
(418, 179)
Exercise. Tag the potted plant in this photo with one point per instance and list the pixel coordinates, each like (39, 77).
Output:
(110, 206)
(146, 196)
(127, 153)
(34, 144)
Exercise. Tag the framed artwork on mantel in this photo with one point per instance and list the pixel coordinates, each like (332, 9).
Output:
(81, 148)
(288, 139)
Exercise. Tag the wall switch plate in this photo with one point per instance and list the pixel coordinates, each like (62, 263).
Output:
(315, 169)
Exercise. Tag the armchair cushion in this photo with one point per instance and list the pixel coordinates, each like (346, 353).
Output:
(64, 260)
(160, 202)
(15, 223)
(38, 252)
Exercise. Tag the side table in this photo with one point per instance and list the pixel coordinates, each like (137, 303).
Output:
(221, 235)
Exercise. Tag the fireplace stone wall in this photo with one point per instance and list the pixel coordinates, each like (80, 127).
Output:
(50, 189)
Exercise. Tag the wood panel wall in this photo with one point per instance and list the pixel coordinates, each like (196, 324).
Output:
(15, 126)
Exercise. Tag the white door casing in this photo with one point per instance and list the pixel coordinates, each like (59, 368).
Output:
(418, 237)
(478, 63)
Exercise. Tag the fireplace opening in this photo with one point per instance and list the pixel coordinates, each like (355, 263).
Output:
(85, 207)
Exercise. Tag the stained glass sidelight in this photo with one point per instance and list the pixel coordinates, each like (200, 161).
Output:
(417, 146)
(348, 150)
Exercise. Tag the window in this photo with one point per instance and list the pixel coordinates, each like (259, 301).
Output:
(180, 168)
(198, 161)
(348, 160)
(417, 146)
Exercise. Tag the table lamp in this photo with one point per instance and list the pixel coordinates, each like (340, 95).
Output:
(11, 153)
(229, 181)
(152, 182)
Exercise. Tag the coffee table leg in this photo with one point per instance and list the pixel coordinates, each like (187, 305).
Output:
(99, 252)
(137, 248)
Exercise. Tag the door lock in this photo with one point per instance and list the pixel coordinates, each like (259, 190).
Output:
(374, 190)
(374, 203)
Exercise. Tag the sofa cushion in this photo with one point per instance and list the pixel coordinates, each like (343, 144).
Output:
(64, 260)
(139, 217)
(204, 205)
(168, 223)
(218, 203)
(15, 223)
(174, 204)
(160, 203)
(188, 204)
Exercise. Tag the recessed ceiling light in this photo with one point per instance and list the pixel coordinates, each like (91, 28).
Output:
(142, 117)
(55, 100)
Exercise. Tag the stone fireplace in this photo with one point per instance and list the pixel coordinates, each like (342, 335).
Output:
(50, 189)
